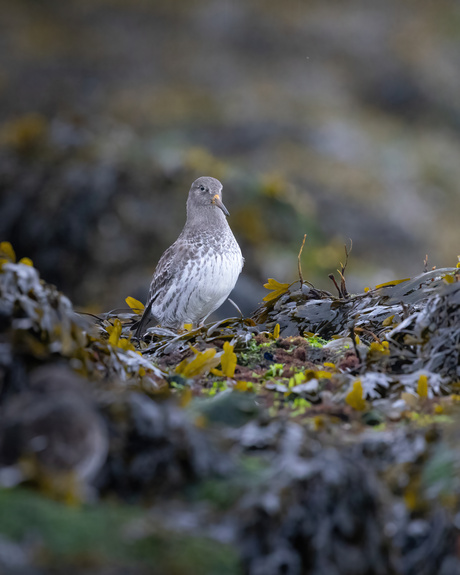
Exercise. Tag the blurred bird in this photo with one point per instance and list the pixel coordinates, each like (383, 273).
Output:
(197, 273)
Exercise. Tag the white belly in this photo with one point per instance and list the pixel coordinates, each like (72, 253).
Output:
(213, 287)
(205, 287)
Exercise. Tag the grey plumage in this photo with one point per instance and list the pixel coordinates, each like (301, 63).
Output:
(197, 273)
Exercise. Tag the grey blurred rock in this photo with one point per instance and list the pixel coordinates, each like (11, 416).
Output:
(54, 425)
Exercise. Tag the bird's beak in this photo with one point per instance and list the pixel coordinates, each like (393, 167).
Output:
(216, 201)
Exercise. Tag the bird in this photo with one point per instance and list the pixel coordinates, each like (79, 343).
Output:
(196, 274)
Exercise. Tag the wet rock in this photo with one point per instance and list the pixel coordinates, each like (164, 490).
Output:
(317, 515)
(43, 317)
(429, 339)
(156, 449)
(327, 316)
(51, 429)
(228, 408)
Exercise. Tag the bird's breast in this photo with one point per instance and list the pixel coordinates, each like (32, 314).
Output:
(221, 270)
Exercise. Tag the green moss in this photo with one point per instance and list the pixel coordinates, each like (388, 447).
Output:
(98, 535)
(217, 386)
(187, 556)
(275, 370)
(251, 355)
(64, 530)
(315, 341)
(301, 404)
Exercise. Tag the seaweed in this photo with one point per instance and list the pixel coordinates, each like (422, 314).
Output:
(303, 432)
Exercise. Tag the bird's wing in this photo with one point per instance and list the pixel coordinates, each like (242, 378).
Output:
(164, 272)
(171, 264)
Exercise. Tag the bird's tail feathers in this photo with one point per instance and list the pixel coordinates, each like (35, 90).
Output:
(146, 317)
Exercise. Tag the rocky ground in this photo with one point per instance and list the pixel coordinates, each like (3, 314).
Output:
(319, 435)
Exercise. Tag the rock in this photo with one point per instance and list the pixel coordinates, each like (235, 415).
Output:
(52, 428)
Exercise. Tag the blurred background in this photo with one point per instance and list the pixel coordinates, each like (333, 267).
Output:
(338, 120)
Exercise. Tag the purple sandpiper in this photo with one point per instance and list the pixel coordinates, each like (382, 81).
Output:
(197, 273)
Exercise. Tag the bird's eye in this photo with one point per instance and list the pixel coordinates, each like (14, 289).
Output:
(202, 188)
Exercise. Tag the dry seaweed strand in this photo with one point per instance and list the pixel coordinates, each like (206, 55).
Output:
(343, 286)
(355, 347)
(368, 332)
(236, 307)
(299, 265)
(425, 263)
(332, 278)
(342, 290)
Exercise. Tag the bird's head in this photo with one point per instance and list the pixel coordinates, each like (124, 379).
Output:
(206, 192)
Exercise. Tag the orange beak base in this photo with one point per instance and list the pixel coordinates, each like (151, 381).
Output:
(216, 201)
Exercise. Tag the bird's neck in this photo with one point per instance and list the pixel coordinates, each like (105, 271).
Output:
(204, 217)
